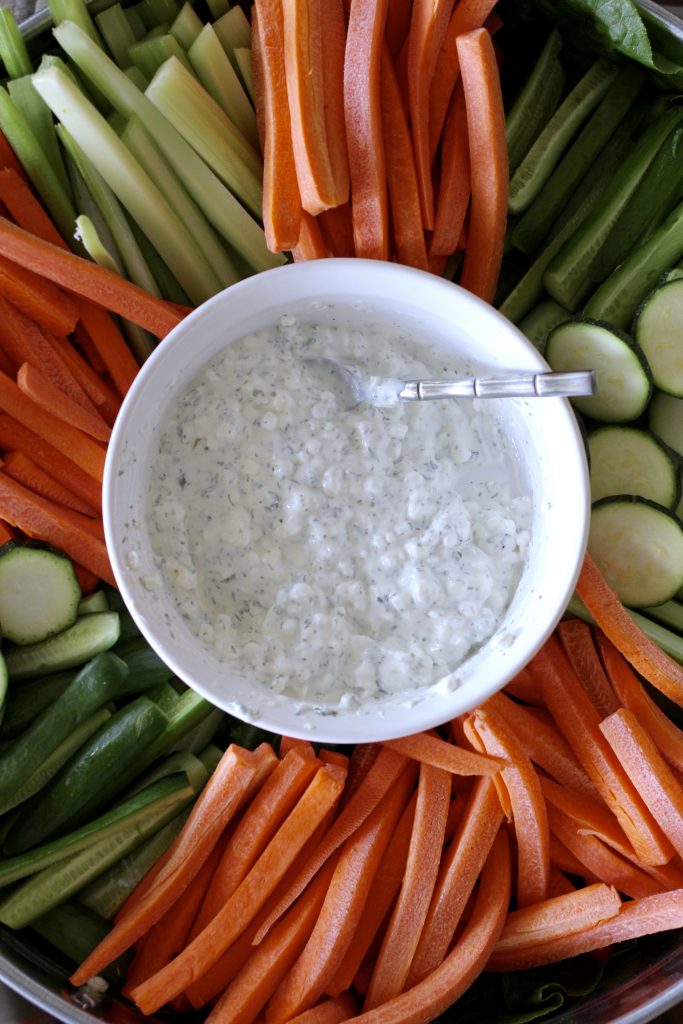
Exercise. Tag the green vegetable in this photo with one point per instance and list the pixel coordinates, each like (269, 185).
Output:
(39, 593)
(75, 930)
(214, 70)
(13, 50)
(628, 460)
(89, 635)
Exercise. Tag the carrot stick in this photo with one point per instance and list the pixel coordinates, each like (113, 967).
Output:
(544, 744)
(329, 1011)
(6, 532)
(404, 196)
(253, 986)
(591, 816)
(334, 757)
(647, 658)
(559, 883)
(648, 771)
(73, 443)
(428, 24)
(363, 756)
(46, 394)
(281, 197)
(578, 644)
(467, 15)
(311, 244)
(25, 208)
(87, 580)
(303, 59)
(575, 715)
(101, 393)
(563, 859)
(15, 436)
(633, 695)
(333, 43)
(645, 916)
(322, 794)
(220, 799)
(558, 917)
(336, 227)
(382, 774)
(110, 345)
(8, 158)
(344, 903)
(434, 751)
(529, 814)
(363, 117)
(64, 529)
(37, 297)
(488, 162)
(22, 469)
(259, 823)
(87, 279)
(288, 743)
(458, 874)
(384, 889)
(455, 184)
(398, 25)
(524, 688)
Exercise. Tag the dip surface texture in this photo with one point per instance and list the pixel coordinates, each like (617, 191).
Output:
(337, 557)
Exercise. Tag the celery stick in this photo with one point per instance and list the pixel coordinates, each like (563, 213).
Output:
(77, 11)
(157, 12)
(233, 30)
(199, 119)
(669, 642)
(150, 53)
(39, 119)
(15, 127)
(129, 183)
(137, 77)
(13, 50)
(135, 21)
(245, 68)
(98, 252)
(218, 8)
(144, 149)
(218, 204)
(158, 30)
(186, 26)
(117, 33)
(219, 78)
(166, 282)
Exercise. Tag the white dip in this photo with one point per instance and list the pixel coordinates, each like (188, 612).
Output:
(335, 556)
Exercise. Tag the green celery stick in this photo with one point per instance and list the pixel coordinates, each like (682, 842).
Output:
(116, 30)
(219, 78)
(13, 50)
(186, 26)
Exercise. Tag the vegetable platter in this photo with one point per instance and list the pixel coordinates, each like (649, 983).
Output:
(162, 859)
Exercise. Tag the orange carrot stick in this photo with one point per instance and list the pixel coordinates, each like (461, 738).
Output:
(648, 771)
(458, 874)
(428, 24)
(220, 799)
(404, 196)
(407, 920)
(259, 823)
(87, 279)
(645, 916)
(647, 658)
(380, 777)
(64, 529)
(8, 158)
(344, 903)
(592, 817)
(46, 394)
(22, 469)
(38, 298)
(633, 695)
(577, 641)
(25, 208)
(558, 917)
(100, 392)
(524, 688)
(333, 43)
(311, 244)
(14, 436)
(73, 443)
(363, 117)
(398, 25)
(329, 1011)
(336, 227)
(455, 184)
(575, 715)
(467, 15)
(281, 196)
(6, 533)
(110, 345)
(303, 58)
(322, 794)
(488, 163)
(438, 753)
(529, 814)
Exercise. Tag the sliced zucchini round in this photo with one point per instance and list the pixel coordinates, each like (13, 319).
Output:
(658, 330)
(623, 379)
(639, 548)
(626, 460)
(39, 593)
(665, 420)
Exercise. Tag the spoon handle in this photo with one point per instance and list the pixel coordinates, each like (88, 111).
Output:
(533, 385)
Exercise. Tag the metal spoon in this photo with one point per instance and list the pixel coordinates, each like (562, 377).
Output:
(352, 387)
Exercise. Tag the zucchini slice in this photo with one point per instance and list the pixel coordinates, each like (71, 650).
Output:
(626, 460)
(658, 329)
(639, 548)
(665, 420)
(39, 593)
(624, 383)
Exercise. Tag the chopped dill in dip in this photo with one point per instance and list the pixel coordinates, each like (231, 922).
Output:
(336, 556)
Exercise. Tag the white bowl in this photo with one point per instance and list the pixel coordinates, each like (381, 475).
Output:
(544, 432)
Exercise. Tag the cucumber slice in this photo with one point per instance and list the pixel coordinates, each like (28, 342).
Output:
(39, 593)
(624, 384)
(95, 602)
(537, 324)
(625, 460)
(658, 328)
(639, 548)
(88, 636)
(665, 420)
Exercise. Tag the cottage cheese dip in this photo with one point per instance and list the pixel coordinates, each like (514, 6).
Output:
(337, 557)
